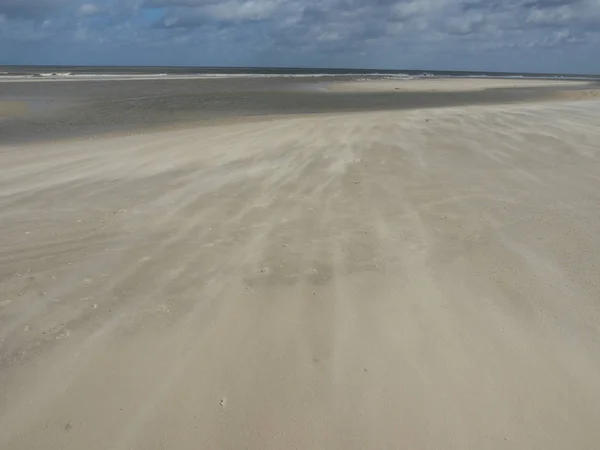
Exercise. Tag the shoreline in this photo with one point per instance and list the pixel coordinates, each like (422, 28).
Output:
(101, 108)
(354, 78)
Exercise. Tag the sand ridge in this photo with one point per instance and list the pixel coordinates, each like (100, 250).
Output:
(419, 279)
(452, 84)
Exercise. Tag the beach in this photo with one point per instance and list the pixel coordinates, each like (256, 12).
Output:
(412, 267)
(66, 108)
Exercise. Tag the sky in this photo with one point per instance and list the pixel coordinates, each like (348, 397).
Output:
(559, 36)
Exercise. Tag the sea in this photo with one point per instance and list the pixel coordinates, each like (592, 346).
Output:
(215, 72)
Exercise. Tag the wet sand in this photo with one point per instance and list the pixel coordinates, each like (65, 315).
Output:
(88, 108)
(412, 279)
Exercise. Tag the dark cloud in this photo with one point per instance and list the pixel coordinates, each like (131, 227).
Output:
(313, 29)
(349, 18)
(30, 9)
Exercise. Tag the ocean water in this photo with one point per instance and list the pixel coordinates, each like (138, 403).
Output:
(214, 72)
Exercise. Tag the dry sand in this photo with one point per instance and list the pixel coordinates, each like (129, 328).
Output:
(416, 280)
(12, 108)
(450, 84)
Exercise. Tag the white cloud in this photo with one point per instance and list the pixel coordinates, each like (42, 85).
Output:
(88, 9)
(242, 10)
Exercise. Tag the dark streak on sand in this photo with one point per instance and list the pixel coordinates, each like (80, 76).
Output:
(61, 109)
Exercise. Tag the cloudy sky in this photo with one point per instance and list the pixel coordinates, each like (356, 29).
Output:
(502, 35)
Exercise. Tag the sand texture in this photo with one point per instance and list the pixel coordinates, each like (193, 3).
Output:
(89, 107)
(451, 84)
(423, 279)
(12, 108)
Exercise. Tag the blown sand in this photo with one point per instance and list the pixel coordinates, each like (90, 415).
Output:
(418, 279)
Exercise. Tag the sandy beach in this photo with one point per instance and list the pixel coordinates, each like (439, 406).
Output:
(10, 109)
(416, 279)
(452, 84)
